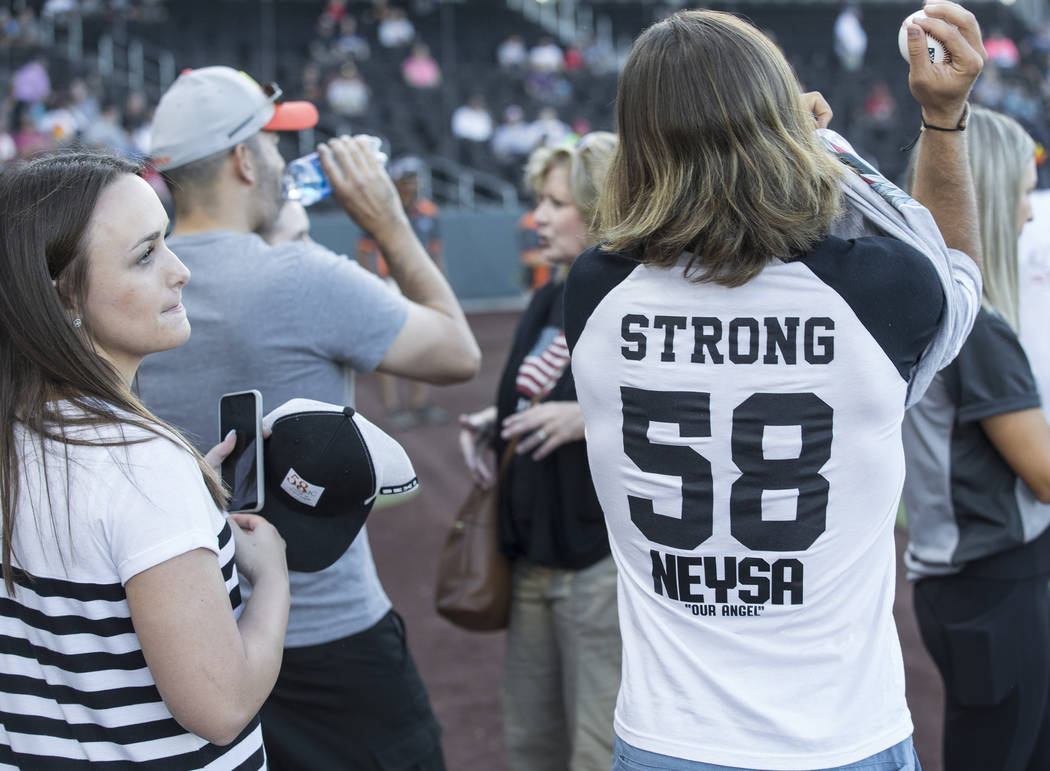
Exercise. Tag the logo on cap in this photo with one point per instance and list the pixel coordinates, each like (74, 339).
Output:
(300, 489)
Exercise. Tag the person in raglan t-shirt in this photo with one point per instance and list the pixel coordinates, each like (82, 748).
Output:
(293, 321)
(743, 377)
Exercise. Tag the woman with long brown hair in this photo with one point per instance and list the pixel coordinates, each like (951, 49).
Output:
(125, 638)
(743, 376)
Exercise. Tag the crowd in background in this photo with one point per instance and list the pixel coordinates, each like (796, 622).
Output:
(546, 91)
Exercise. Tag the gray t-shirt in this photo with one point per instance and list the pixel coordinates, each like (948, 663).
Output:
(290, 321)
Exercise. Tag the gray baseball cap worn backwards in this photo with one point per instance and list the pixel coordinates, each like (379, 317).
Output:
(214, 108)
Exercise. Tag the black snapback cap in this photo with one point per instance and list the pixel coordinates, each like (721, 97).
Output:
(325, 467)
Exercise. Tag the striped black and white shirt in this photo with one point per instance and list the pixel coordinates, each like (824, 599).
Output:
(75, 690)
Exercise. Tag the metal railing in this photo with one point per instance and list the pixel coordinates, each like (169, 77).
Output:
(465, 187)
(568, 20)
(443, 180)
(128, 61)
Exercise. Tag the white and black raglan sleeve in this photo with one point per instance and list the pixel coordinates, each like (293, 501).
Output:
(890, 286)
(594, 274)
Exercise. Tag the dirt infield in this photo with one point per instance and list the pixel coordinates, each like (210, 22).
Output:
(462, 670)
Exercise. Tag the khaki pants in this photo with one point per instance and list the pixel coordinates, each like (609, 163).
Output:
(562, 668)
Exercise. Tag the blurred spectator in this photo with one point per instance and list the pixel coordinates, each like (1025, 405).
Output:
(851, 41)
(108, 132)
(28, 27)
(8, 27)
(311, 88)
(472, 127)
(599, 57)
(1021, 104)
(380, 10)
(546, 56)
(349, 43)
(28, 139)
(347, 94)
(84, 102)
(535, 268)
(291, 224)
(59, 122)
(142, 135)
(138, 117)
(30, 82)
(136, 110)
(988, 90)
(547, 87)
(396, 30)
(325, 34)
(511, 53)
(335, 10)
(1039, 41)
(420, 69)
(423, 215)
(1001, 50)
(513, 139)
(880, 107)
(472, 121)
(57, 9)
(8, 151)
(573, 61)
(549, 130)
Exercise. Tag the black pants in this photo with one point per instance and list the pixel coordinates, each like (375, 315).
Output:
(356, 704)
(990, 640)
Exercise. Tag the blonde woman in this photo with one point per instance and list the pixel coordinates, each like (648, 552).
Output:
(563, 643)
(977, 495)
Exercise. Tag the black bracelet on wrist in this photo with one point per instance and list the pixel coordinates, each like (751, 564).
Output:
(960, 126)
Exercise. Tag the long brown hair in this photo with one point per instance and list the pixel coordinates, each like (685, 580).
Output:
(717, 155)
(52, 380)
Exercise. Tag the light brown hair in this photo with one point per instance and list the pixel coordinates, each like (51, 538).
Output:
(717, 154)
(52, 380)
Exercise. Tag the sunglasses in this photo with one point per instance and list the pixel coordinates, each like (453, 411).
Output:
(272, 92)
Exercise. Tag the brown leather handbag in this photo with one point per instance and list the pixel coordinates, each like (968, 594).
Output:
(473, 576)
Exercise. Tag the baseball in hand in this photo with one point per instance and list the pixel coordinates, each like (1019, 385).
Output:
(938, 53)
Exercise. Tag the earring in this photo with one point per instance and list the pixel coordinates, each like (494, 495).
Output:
(78, 323)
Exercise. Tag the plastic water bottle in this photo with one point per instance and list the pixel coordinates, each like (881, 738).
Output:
(304, 180)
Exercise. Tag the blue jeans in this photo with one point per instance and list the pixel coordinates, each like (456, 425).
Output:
(899, 757)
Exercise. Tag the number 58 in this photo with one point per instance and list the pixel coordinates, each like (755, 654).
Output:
(691, 411)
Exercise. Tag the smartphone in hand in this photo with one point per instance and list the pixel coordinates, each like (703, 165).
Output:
(242, 470)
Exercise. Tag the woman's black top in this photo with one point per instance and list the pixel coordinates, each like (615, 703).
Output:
(549, 513)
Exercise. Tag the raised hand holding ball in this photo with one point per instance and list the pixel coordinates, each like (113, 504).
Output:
(938, 53)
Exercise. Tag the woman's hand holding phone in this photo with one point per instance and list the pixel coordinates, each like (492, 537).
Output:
(217, 454)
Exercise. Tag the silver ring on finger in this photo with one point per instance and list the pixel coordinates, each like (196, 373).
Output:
(541, 434)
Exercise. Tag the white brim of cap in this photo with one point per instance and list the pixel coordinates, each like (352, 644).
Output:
(396, 480)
